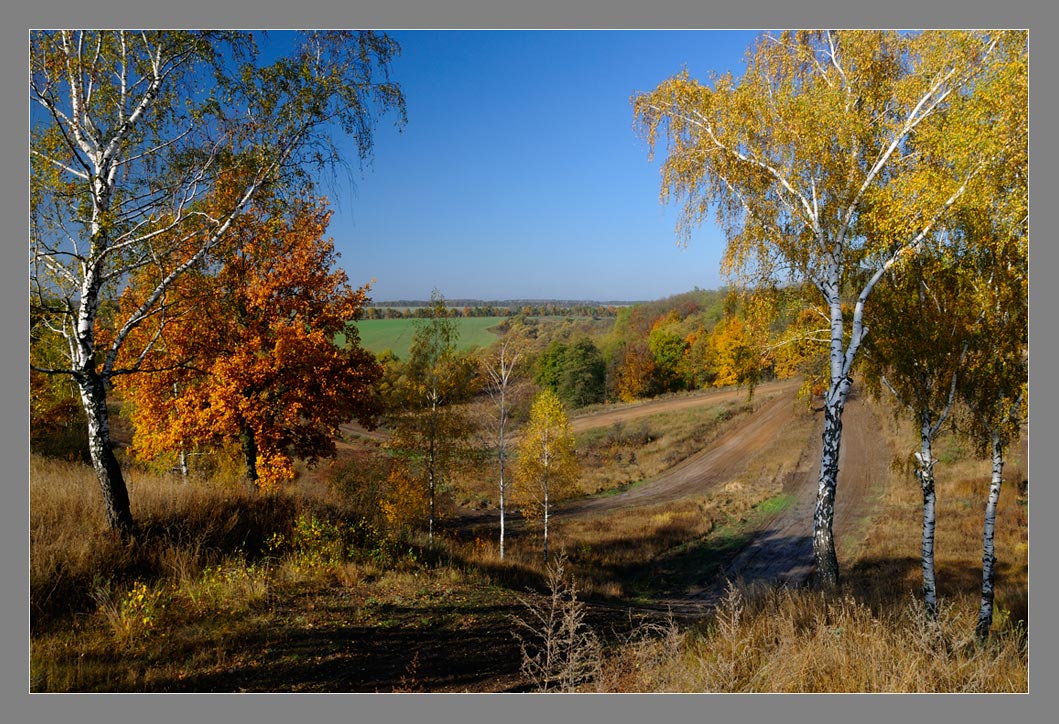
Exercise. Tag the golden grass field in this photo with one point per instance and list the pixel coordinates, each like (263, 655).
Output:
(306, 590)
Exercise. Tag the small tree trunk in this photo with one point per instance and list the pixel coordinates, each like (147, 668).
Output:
(545, 526)
(502, 450)
(108, 472)
(430, 485)
(183, 460)
(501, 503)
(182, 457)
(250, 455)
(824, 556)
(925, 473)
(431, 465)
(985, 610)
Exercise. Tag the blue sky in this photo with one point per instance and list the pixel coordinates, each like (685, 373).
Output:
(519, 174)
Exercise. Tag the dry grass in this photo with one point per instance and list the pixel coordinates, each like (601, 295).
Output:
(641, 553)
(210, 564)
(217, 565)
(890, 557)
(184, 528)
(871, 636)
(613, 457)
(623, 454)
(782, 640)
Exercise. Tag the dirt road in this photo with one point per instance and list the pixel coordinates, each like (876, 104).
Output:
(706, 470)
(467, 643)
(634, 411)
(781, 550)
(612, 415)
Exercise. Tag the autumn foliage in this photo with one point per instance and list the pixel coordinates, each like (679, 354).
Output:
(547, 469)
(248, 350)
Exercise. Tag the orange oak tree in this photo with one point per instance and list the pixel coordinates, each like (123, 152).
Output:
(248, 350)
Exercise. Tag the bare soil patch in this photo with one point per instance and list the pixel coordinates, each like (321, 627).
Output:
(782, 550)
(704, 471)
(469, 647)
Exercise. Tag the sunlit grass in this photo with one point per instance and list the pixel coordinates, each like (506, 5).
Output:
(227, 582)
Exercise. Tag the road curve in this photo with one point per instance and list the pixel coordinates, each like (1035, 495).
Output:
(627, 412)
(708, 469)
(782, 551)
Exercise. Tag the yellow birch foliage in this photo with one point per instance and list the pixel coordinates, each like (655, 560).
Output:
(406, 500)
(547, 469)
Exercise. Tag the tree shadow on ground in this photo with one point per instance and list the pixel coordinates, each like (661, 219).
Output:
(396, 652)
(894, 582)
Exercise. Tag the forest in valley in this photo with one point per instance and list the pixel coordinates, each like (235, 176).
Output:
(247, 475)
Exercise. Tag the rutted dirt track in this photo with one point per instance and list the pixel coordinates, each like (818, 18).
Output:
(714, 466)
(629, 412)
(468, 644)
(781, 550)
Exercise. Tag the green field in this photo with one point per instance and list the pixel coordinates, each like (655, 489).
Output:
(396, 334)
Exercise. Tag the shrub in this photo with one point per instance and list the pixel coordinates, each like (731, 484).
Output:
(559, 649)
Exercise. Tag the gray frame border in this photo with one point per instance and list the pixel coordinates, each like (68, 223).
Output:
(540, 14)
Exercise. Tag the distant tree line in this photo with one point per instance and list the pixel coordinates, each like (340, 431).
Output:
(399, 310)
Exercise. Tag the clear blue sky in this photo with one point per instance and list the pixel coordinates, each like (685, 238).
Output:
(519, 174)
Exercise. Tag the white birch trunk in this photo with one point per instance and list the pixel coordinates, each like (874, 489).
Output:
(546, 523)
(824, 557)
(501, 494)
(500, 374)
(503, 454)
(985, 610)
(432, 463)
(108, 472)
(925, 473)
(91, 384)
(183, 462)
(841, 360)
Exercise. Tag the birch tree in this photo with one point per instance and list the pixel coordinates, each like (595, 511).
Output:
(917, 349)
(429, 427)
(500, 370)
(823, 128)
(994, 387)
(547, 468)
(130, 132)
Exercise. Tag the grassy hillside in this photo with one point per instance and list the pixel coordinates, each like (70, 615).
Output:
(309, 589)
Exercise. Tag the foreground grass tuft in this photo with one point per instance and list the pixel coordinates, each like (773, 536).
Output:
(782, 640)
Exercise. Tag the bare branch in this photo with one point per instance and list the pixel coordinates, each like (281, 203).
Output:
(59, 164)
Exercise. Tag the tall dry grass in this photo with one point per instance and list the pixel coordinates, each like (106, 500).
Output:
(783, 640)
(211, 556)
(627, 453)
(184, 528)
(889, 558)
(209, 563)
